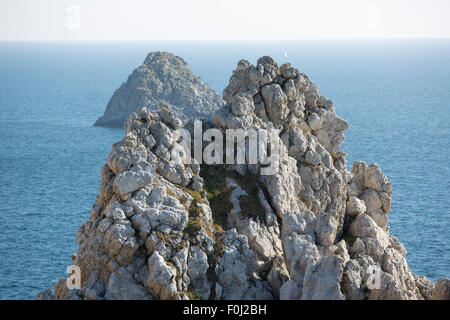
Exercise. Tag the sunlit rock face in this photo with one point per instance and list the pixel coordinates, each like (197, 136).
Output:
(164, 229)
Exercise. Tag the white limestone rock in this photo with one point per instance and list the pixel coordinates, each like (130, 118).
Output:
(137, 177)
(314, 121)
(125, 154)
(161, 278)
(125, 288)
(197, 266)
(322, 280)
(275, 102)
(312, 230)
(355, 206)
(242, 105)
(325, 229)
(236, 271)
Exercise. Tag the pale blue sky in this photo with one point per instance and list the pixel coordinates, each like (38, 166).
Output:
(96, 20)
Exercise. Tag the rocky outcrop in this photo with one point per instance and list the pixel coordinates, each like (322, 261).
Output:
(163, 229)
(162, 78)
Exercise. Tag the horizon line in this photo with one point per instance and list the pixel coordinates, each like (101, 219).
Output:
(216, 40)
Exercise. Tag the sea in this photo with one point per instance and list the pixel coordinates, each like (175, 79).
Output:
(395, 94)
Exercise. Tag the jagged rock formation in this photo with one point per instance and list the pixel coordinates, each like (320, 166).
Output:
(163, 77)
(161, 229)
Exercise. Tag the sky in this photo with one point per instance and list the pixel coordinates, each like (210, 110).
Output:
(206, 20)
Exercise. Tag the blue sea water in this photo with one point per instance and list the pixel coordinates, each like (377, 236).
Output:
(395, 95)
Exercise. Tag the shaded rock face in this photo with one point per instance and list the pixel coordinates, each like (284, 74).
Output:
(161, 229)
(163, 77)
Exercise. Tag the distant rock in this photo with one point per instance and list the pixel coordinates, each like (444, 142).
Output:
(166, 78)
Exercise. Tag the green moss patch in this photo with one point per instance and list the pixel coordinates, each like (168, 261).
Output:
(192, 295)
(194, 224)
(219, 195)
(349, 239)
